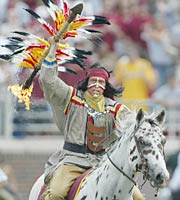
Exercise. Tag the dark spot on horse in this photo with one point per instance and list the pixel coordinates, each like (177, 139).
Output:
(153, 152)
(157, 157)
(134, 158)
(101, 198)
(132, 151)
(147, 152)
(106, 198)
(96, 194)
(107, 176)
(140, 166)
(105, 167)
(137, 167)
(97, 180)
(84, 198)
(114, 198)
(119, 191)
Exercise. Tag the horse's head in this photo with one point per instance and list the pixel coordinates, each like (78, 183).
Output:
(147, 148)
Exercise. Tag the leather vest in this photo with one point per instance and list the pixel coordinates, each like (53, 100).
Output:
(95, 137)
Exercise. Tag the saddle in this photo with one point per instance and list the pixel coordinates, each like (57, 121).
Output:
(76, 185)
(74, 188)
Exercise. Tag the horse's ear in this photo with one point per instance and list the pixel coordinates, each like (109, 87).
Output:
(161, 116)
(140, 115)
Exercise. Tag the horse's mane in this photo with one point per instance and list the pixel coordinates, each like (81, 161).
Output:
(126, 123)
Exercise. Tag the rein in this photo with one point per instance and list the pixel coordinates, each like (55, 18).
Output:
(121, 170)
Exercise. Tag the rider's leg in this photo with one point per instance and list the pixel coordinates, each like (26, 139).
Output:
(61, 181)
(137, 195)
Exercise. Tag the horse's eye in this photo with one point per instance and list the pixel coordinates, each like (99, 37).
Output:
(142, 142)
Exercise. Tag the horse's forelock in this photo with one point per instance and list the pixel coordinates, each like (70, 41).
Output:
(154, 115)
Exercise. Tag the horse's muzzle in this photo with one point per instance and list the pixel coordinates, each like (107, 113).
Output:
(160, 180)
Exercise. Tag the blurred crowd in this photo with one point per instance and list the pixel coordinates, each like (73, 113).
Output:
(140, 47)
(8, 182)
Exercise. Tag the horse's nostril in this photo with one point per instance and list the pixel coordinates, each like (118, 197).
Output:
(159, 178)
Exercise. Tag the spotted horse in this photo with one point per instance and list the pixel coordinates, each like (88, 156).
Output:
(140, 149)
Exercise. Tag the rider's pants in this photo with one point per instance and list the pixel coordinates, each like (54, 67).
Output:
(61, 181)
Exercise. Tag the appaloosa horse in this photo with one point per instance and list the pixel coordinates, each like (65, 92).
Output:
(139, 149)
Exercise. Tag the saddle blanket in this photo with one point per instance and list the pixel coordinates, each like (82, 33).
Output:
(74, 188)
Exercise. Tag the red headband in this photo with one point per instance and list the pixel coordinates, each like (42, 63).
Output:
(99, 72)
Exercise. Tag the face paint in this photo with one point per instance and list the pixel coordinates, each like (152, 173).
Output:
(96, 86)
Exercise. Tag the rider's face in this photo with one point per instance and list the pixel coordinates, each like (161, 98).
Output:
(96, 86)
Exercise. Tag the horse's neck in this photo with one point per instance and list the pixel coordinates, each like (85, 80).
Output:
(120, 158)
(108, 180)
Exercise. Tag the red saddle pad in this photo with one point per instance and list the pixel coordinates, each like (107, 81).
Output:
(76, 185)
(74, 188)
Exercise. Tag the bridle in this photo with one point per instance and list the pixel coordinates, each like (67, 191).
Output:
(144, 162)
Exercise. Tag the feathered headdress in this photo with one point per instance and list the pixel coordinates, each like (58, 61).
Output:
(29, 50)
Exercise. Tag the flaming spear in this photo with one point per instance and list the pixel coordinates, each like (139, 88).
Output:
(26, 53)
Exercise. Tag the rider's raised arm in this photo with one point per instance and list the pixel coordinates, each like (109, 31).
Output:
(55, 90)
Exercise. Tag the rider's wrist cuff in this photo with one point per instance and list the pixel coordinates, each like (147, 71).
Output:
(50, 61)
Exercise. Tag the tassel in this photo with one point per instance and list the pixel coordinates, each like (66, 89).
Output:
(47, 26)
(101, 20)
